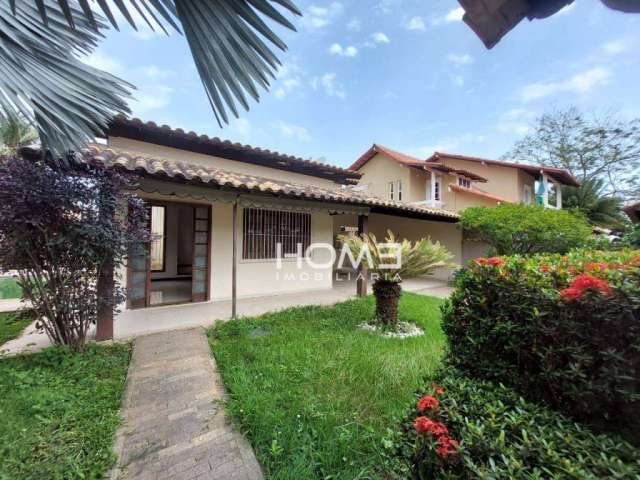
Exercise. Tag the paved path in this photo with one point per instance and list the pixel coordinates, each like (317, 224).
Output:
(13, 304)
(174, 423)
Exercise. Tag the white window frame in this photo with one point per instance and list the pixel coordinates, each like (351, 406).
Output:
(390, 187)
(399, 190)
(464, 182)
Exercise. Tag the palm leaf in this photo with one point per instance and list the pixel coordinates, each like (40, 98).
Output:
(42, 80)
(229, 41)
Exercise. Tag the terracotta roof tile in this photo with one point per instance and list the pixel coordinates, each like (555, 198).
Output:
(478, 193)
(210, 176)
(395, 155)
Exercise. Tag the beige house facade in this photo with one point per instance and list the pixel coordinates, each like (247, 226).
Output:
(230, 221)
(455, 182)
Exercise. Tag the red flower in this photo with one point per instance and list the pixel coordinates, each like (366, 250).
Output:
(482, 261)
(583, 283)
(425, 425)
(428, 403)
(570, 294)
(495, 261)
(437, 388)
(545, 268)
(446, 446)
(422, 425)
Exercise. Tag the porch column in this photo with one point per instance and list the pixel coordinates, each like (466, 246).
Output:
(105, 286)
(361, 283)
(234, 255)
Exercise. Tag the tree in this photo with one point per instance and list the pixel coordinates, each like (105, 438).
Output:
(600, 209)
(15, 133)
(391, 261)
(44, 79)
(525, 229)
(605, 148)
(54, 231)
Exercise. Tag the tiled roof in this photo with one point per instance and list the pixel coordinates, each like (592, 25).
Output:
(377, 148)
(210, 176)
(458, 171)
(477, 192)
(150, 132)
(558, 174)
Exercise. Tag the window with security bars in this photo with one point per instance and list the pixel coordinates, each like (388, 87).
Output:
(263, 230)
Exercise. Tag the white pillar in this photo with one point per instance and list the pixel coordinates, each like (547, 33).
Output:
(558, 195)
(433, 187)
(545, 195)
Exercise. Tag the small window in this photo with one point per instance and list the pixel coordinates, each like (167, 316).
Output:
(464, 182)
(528, 195)
(390, 190)
(265, 229)
(436, 190)
(399, 190)
(158, 237)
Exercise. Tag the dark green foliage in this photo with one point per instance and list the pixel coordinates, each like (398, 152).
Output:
(525, 229)
(504, 437)
(632, 238)
(592, 201)
(12, 324)
(60, 412)
(59, 226)
(9, 288)
(315, 393)
(515, 320)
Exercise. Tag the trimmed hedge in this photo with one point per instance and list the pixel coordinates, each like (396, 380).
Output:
(495, 434)
(561, 329)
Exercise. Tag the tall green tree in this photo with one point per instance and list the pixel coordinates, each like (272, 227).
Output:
(605, 147)
(15, 133)
(599, 208)
(42, 43)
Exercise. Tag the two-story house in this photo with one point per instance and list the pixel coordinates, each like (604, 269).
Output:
(455, 182)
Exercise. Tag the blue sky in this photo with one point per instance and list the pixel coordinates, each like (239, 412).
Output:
(408, 74)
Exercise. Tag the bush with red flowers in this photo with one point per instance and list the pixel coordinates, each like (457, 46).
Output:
(560, 329)
(484, 430)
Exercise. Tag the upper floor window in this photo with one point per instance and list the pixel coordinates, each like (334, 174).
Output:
(391, 190)
(264, 230)
(399, 190)
(436, 190)
(464, 182)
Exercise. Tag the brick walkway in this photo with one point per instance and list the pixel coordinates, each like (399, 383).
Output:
(174, 424)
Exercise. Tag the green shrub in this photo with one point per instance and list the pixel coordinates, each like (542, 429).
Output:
(561, 329)
(502, 436)
(525, 229)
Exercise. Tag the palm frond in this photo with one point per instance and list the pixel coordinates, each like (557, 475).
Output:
(42, 79)
(228, 39)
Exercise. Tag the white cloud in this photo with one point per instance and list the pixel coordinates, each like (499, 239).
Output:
(566, 9)
(329, 84)
(337, 49)
(616, 47)
(240, 128)
(449, 144)
(454, 15)
(416, 23)
(149, 98)
(354, 25)
(289, 76)
(385, 7)
(579, 83)
(464, 59)
(516, 121)
(318, 17)
(457, 80)
(380, 37)
(154, 72)
(104, 62)
(288, 130)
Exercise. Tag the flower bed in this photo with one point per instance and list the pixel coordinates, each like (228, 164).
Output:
(463, 428)
(562, 329)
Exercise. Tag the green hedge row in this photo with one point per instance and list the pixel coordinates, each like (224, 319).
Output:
(479, 430)
(560, 329)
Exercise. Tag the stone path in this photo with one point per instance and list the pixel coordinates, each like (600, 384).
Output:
(174, 423)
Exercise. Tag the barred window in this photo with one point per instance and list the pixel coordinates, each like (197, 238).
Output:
(263, 230)
(464, 182)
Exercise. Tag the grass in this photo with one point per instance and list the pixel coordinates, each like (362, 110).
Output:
(12, 324)
(315, 394)
(60, 411)
(9, 288)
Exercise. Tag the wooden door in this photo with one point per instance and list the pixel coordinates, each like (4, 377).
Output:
(201, 249)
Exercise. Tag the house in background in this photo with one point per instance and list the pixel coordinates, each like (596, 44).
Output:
(633, 211)
(455, 182)
(219, 210)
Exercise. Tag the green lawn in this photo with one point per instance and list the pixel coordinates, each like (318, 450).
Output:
(315, 394)
(60, 411)
(11, 325)
(9, 288)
